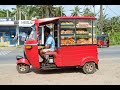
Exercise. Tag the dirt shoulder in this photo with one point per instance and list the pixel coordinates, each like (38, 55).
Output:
(108, 74)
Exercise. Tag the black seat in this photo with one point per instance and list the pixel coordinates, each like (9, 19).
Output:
(18, 57)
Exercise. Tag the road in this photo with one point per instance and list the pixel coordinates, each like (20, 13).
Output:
(8, 56)
(111, 53)
(108, 73)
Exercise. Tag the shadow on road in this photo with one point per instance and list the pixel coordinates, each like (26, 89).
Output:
(57, 71)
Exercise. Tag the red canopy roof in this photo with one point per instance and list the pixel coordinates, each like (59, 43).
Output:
(48, 20)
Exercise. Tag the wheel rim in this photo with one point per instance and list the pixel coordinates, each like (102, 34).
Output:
(22, 67)
(89, 67)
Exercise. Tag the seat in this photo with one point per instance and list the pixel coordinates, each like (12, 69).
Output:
(50, 53)
(18, 57)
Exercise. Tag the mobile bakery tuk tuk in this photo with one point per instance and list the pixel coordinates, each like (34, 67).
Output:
(75, 42)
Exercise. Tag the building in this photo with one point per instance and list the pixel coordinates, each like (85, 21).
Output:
(10, 28)
(23, 29)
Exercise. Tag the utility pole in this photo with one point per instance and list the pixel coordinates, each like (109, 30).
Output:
(101, 19)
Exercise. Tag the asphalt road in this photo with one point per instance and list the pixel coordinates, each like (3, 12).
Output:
(10, 58)
(104, 54)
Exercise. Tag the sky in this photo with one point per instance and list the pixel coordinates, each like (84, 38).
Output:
(109, 10)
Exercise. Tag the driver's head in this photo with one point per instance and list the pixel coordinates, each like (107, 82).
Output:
(47, 30)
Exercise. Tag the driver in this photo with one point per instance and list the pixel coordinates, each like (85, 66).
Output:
(49, 44)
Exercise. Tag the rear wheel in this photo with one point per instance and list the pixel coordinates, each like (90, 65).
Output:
(89, 68)
(23, 68)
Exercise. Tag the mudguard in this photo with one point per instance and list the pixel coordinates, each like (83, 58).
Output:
(89, 59)
(23, 60)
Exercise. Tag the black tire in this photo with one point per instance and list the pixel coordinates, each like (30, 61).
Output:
(89, 68)
(23, 68)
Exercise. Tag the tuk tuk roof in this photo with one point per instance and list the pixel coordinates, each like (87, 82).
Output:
(48, 20)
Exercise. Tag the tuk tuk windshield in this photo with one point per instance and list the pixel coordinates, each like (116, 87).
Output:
(33, 33)
(101, 38)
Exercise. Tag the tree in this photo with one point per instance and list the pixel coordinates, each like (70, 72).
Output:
(59, 11)
(87, 12)
(3, 13)
(28, 11)
(76, 11)
(46, 10)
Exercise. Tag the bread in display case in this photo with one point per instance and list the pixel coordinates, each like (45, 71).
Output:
(76, 35)
(84, 33)
(68, 41)
(67, 24)
(66, 31)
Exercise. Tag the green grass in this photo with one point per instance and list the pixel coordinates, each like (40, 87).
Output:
(115, 38)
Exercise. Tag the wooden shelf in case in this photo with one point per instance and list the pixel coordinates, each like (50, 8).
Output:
(67, 34)
(82, 36)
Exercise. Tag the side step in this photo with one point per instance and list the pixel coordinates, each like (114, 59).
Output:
(48, 66)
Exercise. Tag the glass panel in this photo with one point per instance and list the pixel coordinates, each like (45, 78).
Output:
(67, 32)
(33, 33)
(84, 32)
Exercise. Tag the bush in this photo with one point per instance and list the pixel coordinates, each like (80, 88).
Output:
(114, 38)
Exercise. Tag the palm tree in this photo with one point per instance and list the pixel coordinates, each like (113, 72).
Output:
(28, 11)
(18, 9)
(49, 10)
(59, 11)
(75, 11)
(16, 12)
(87, 12)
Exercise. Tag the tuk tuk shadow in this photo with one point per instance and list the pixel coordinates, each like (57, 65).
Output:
(58, 70)
(103, 47)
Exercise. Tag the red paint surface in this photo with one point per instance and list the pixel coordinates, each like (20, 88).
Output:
(32, 54)
(76, 55)
(23, 60)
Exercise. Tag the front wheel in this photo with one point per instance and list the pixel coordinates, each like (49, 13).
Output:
(89, 68)
(23, 68)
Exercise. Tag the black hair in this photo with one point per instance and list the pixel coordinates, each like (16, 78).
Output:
(47, 29)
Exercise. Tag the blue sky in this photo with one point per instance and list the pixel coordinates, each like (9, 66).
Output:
(110, 10)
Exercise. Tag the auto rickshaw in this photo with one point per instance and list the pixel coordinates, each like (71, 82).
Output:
(74, 41)
(103, 41)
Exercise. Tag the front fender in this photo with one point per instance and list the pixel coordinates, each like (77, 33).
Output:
(23, 60)
(88, 59)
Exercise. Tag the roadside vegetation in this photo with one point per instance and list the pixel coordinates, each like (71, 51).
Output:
(111, 26)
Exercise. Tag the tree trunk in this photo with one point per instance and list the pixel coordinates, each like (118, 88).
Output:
(19, 14)
(7, 13)
(25, 17)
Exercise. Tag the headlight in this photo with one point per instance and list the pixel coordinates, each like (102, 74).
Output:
(28, 47)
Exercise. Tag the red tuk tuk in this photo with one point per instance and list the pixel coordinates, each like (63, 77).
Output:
(76, 45)
(102, 41)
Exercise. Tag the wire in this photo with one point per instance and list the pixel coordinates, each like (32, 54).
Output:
(105, 9)
(113, 11)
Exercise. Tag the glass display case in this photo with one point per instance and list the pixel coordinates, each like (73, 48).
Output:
(76, 32)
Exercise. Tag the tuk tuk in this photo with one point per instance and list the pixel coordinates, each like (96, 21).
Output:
(103, 41)
(75, 45)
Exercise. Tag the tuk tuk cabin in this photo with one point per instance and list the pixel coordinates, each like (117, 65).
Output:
(75, 41)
